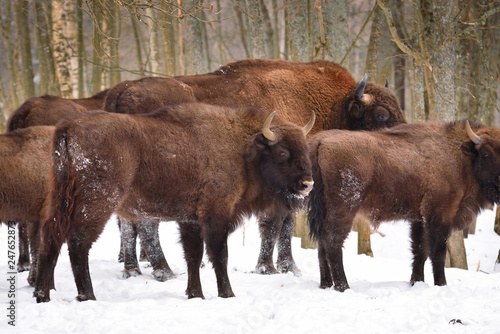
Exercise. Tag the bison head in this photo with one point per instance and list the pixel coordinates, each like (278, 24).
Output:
(283, 158)
(373, 107)
(484, 149)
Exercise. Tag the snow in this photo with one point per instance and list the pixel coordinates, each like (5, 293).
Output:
(380, 299)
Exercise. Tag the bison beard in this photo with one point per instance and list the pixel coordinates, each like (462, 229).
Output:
(203, 166)
(438, 176)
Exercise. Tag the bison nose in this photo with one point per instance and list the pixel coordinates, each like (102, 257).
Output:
(308, 185)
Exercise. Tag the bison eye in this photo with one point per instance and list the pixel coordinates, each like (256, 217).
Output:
(381, 114)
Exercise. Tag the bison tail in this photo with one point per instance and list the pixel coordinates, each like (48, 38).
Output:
(316, 203)
(61, 202)
(113, 95)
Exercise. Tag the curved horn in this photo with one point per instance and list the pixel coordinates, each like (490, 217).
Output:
(475, 138)
(266, 129)
(386, 83)
(308, 127)
(360, 90)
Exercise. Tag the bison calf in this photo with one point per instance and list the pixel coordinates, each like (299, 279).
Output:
(203, 166)
(437, 176)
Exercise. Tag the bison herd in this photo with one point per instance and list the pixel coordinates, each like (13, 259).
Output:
(264, 137)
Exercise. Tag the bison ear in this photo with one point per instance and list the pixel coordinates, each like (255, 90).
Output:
(468, 148)
(356, 109)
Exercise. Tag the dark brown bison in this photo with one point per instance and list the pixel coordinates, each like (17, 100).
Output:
(294, 89)
(49, 109)
(45, 110)
(438, 176)
(203, 166)
(24, 165)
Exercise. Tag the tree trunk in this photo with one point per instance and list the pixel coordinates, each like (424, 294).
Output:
(496, 228)
(169, 43)
(113, 25)
(23, 32)
(64, 27)
(98, 54)
(364, 233)
(455, 251)
(299, 31)
(255, 26)
(194, 55)
(302, 230)
(399, 59)
(336, 30)
(243, 29)
(153, 43)
(80, 48)
(6, 20)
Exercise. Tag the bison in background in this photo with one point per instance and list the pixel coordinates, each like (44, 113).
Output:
(292, 88)
(24, 166)
(203, 166)
(437, 176)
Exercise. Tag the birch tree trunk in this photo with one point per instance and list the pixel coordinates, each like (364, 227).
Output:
(153, 43)
(64, 27)
(23, 32)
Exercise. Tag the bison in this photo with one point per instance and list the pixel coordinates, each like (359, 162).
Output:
(201, 165)
(24, 165)
(437, 176)
(48, 110)
(294, 89)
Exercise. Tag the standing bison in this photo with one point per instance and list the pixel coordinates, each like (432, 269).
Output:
(203, 166)
(438, 176)
(24, 178)
(293, 88)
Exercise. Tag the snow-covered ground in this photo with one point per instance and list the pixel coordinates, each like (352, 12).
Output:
(380, 300)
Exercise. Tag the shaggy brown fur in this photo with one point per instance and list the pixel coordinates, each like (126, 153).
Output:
(203, 166)
(430, 174)
(49, 109)
(24, 165)
(293, 89)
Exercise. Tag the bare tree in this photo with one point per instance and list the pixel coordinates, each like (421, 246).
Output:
(6, 32)
(299, 31)
(23, 33)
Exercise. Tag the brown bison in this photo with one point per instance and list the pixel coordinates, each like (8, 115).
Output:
(438, 176)
(203, 166)
(294, 89)
(24, 165)
(49, 109)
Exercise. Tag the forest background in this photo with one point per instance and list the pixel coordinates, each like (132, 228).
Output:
(441, 57)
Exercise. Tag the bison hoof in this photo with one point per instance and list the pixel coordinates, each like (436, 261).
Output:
(341, 287)
(287, 266)
(194, 294)
(82, 298)
(228, 294)
(23, 267)
(41, 297)
(163, 275)
(266, 269)
(127, 273)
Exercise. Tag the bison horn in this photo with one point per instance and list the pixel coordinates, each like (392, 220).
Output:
(475, 138)
(386, 83)
(266, 129)
(360, 90)
(308, 127)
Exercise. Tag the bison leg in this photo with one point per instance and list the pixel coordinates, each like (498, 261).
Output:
(23, 262)
(128, 234)
(438, 236)
(285, 261)
(34, 240)
(148, 232)
(269, 227)
(47, 260)
(326, 279)
(216, 241)
(332, 237)
(419, 250)
(79, 257)
(192, 242)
